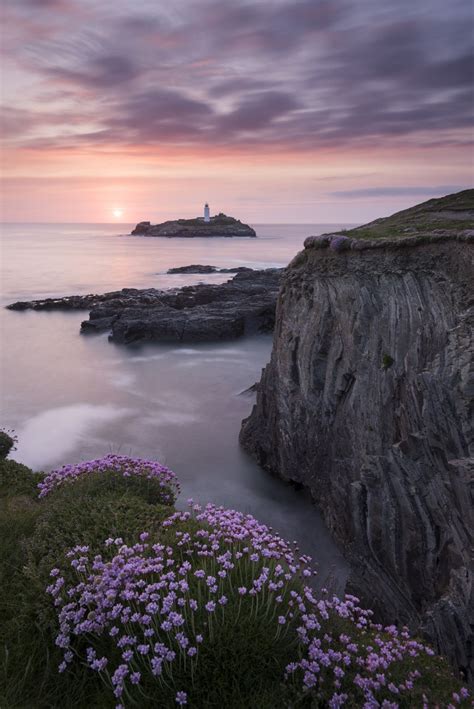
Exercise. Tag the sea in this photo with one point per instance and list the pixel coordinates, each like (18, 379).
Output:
(72, 397)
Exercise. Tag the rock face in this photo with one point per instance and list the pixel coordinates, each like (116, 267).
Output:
(366, 402)
(219, 226)
(199, 313)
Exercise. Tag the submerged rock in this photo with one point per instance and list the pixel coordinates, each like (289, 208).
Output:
(366, 402)
(205, 312)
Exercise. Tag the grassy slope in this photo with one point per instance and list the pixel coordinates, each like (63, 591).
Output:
(451, 214)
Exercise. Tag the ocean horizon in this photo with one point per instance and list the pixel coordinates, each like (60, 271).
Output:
(72, 397)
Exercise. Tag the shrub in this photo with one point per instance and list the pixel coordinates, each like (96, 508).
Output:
(351, 661)
(340, 243)
(162, 482)
(387, 361)
(34, 538)
(211, 610)
(17, 480)
(18, 514)
(206, 612)
(7, 443)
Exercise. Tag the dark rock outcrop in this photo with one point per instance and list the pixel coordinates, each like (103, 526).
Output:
(199, 268)
(367, 402)
(219, 226)
(68, 302)
(193, 268)
(142, 228)
(204, 312)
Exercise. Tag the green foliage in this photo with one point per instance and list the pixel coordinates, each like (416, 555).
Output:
(218, 220)
(18, 514)
(67, 518)
(7, 443)
(17, 480)
(387, 361)
(244, 664)
(34, 535)
(390, 229)
(110, 483)
(436, 679)
(222, 219)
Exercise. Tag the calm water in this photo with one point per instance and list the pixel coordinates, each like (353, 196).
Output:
(71, 397)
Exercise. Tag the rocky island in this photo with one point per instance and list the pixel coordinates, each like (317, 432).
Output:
(366, 403)
(219, 226)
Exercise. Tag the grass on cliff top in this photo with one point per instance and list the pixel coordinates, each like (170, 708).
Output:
(451, 214)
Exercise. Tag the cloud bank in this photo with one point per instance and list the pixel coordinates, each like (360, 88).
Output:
(298, 75)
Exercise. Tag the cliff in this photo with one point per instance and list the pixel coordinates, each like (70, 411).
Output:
(366, 402)
(219, 226)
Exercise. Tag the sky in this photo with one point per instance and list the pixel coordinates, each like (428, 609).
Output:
(274, 111)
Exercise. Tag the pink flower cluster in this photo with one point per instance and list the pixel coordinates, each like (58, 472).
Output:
(121, 464)
(361, 669)
(157, 603)
(153, 606)
(340, 243)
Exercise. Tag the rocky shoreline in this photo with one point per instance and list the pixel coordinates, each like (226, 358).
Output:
(201, 313)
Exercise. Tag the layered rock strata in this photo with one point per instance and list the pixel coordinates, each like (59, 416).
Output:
(367, 402)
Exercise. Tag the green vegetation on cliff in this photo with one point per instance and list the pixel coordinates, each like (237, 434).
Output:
(450, 214)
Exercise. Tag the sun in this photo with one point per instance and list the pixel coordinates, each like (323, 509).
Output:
(117, 212)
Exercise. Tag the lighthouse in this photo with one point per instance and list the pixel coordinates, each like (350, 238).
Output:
(207, 215)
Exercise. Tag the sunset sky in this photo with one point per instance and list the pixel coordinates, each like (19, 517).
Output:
(271, 110)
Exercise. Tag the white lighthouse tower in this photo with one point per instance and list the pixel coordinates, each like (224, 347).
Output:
(207, 214)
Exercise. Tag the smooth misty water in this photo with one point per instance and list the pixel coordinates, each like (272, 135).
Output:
(71, 397)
